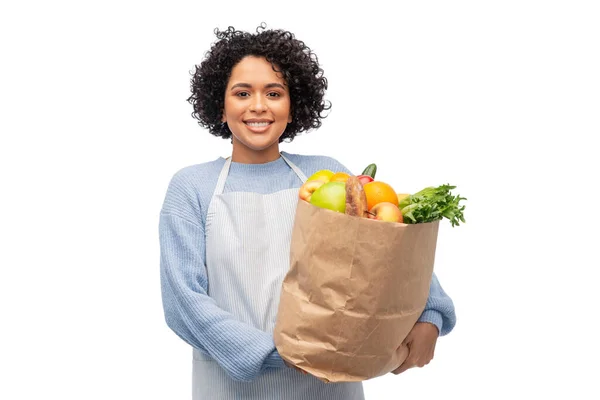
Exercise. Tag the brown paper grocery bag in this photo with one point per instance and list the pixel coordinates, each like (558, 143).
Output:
(354, 290)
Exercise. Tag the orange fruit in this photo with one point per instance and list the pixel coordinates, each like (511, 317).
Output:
(339, 177)
(378, 192)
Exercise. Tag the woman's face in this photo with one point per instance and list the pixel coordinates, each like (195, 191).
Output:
(257, 110)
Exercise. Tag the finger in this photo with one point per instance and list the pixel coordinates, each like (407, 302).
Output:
(402, 353)
(425, 358)
(405, 365)
(300, 370)
(294, 367)
(429, 357)
(407, 340)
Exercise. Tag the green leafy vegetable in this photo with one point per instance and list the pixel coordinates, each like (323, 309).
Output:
(432, 204)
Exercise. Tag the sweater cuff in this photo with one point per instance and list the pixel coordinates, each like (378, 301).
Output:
(273, 360)
(433, 317)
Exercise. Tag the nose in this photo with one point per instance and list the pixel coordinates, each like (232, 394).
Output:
(258, 104)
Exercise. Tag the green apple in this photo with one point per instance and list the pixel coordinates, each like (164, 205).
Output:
(331, 195)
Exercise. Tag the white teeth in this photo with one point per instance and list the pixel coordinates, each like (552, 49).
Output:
(258, 123)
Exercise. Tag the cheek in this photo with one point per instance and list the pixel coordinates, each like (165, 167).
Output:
(284, 110)
(231, 111)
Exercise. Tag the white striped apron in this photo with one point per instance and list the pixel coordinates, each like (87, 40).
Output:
(247, 256)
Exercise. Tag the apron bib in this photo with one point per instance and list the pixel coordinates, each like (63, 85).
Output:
(247, 256)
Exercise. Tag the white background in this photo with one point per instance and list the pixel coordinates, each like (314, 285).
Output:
(499, 98)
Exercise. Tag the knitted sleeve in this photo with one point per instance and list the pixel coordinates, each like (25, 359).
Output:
(439, 309)
(242, 350)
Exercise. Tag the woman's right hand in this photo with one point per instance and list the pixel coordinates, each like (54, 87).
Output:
(294, 367)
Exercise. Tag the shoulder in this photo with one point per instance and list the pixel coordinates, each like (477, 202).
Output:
(195, 176)
(192, 186)
(309, 164)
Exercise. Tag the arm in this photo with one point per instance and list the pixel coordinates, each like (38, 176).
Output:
(241, 350)
(437, 319)
(439, 309)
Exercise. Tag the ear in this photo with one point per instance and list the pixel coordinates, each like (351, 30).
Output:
(223, 118)
(290, 118)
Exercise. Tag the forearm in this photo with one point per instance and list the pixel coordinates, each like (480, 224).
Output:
(242, 350)
(439, 309)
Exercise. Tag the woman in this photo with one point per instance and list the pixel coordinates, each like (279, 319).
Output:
(225, 225)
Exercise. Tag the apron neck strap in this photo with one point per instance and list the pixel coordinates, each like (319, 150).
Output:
(295, 169)
(225, 171)
(223, 176)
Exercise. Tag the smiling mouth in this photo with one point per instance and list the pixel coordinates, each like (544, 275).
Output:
(258, 124)
(258, 127)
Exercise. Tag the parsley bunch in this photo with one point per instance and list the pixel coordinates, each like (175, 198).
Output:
(432, 204)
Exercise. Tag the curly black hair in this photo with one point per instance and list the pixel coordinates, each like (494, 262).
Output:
(288, 55)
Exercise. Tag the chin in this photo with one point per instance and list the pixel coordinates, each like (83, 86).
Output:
(259, 143)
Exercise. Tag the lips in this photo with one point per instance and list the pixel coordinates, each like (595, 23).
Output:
(258, 126)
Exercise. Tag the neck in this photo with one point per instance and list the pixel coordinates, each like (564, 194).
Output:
(244, 155)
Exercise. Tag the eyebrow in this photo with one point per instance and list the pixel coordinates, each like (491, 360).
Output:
(267, 86)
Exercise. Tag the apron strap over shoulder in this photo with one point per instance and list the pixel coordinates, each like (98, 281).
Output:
(222, 177)
(295, 169)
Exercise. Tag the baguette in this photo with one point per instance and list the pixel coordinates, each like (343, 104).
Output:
(356, 200)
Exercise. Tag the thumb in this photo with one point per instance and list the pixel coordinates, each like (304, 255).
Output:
(408, 339)
(402, 353)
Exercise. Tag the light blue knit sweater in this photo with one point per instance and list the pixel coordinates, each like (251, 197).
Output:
(242, 350)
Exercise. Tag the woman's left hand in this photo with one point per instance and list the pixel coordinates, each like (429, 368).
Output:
(421, 345)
